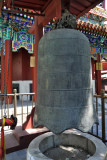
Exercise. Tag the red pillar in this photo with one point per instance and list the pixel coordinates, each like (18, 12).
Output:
(8, 68)
(53, 10)
(38, 34)
(33, 77)
(2, 76)
(93, 68)
(98, 83)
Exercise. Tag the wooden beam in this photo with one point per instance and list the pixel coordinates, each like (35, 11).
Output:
(65, 4)
(27, 6)
(22, 12)
(77, 6)
(46, 5)
(74, 11)
(8, 3)
(1, 5)
(31, 30)
(30, 4)
(91, 1)
(52, 10)
(59, 9)
(90, 7)
(85, 3)
(38, 2)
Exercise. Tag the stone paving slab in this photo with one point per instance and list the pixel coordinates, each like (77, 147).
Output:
(19, 155)
(10, 141)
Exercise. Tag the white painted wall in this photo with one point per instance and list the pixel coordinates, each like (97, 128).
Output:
(24, 87)
(93, 81)
(106, 4)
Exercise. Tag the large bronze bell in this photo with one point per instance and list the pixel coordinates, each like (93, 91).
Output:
(64, 94)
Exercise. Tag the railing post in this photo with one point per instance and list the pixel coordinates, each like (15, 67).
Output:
(103, 115)
(15, 102)
(97, 115)
(22, 109)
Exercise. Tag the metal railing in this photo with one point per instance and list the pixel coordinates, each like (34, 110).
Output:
(19, 108)
(100, 129)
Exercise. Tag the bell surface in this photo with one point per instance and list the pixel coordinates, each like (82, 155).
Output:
(64, 94)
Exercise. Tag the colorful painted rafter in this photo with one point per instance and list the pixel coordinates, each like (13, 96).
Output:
(91, 25)
(99, 11)
(23, 39)
(15, 28)
(91, 28)
(97, 37)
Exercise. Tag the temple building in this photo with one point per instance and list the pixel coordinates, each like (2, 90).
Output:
(93, 25)
(18, 38)
(15, 40)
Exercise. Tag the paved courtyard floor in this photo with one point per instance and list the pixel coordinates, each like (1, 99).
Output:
(19, 155)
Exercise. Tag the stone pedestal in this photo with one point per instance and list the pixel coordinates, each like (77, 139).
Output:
(93, 145)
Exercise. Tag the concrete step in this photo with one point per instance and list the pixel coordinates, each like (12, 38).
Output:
(11, 143)
(20, 139)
